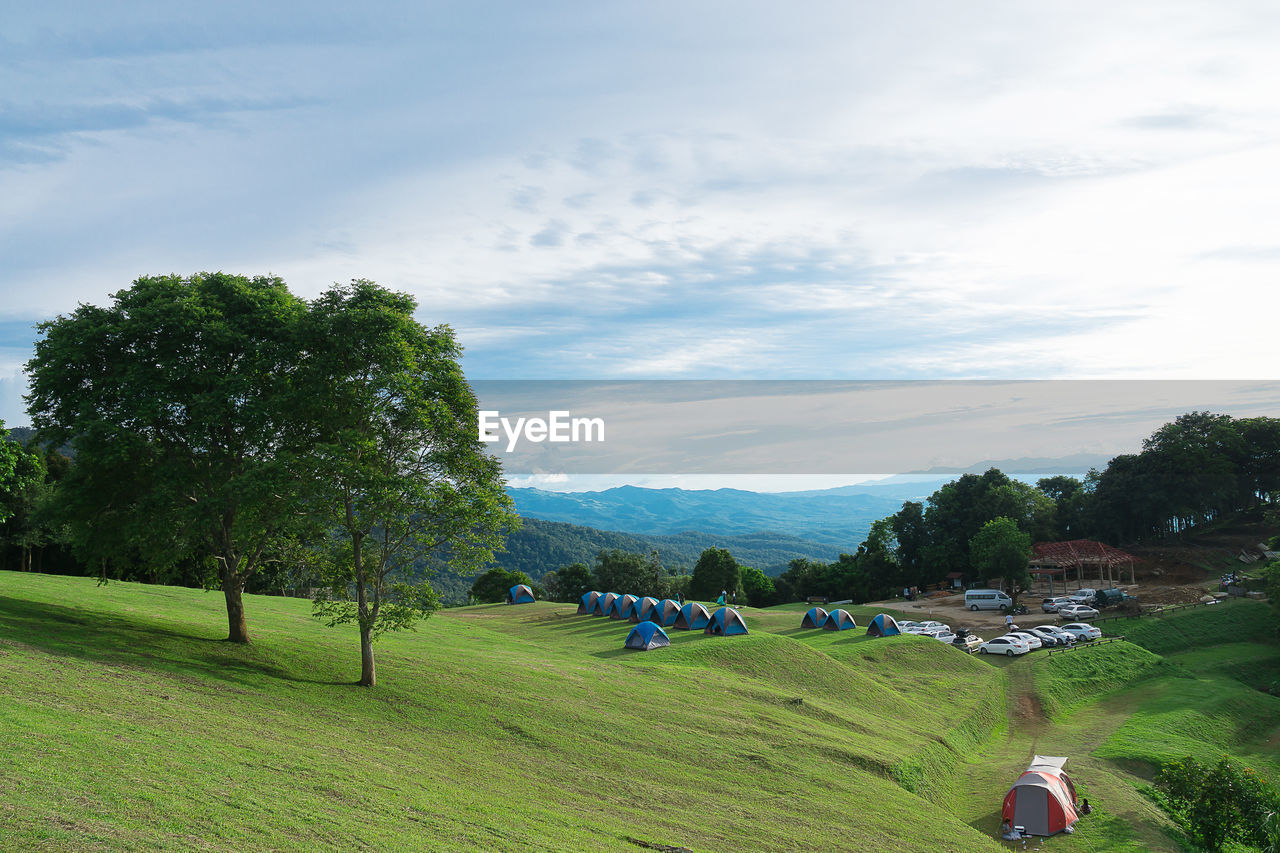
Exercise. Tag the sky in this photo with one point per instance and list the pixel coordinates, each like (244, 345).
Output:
(693, 190)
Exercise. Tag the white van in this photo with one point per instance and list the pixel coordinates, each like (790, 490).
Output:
(987, 599)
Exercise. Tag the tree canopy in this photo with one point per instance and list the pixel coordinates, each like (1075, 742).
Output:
(170, 399)
(394, 464)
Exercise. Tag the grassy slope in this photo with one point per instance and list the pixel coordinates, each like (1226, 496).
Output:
(131, 726)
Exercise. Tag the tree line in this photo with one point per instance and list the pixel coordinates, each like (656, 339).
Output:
(227, 432)
(1198, 468)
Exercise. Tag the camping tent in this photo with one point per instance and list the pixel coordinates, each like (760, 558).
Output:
(1042, 801)
(644, 609)
(606, 603)
(666, 612)
(883, 625)
(726, 622)
(692, 617)
(520, 594)
(814, 618)
(588, 603)
(839, 620)
(623, 607)
(646, 636)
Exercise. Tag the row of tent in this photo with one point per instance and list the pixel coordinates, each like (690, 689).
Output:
(654, 615)
(883, 625)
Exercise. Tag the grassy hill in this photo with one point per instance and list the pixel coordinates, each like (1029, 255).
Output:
(129, 725)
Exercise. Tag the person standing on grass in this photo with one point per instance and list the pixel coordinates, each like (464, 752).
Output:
(1008, 621)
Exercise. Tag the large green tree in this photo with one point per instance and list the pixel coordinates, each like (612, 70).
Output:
(715, 571)
(19, 471)
(1001, 550)
(171, 398)
(394, 464)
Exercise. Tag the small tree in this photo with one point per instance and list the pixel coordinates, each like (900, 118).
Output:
(1220, 802)
(758, 587)
(394, 464)
(618, 571)
(715, 571)
(493, 585)
(570, 582)
(1001, 549)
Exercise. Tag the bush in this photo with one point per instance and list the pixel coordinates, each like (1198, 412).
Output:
(1220, 803)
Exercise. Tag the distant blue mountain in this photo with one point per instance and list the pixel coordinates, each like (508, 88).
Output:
(834, 518)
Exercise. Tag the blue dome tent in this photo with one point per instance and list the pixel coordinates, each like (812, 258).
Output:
(644, 609)
(588, 603)
(726, 622)
(839, 620)
(647, 636)
(814, 618)
(883, 625)
(623, 607)
(692, 617)
(520, 594)
(666, 613)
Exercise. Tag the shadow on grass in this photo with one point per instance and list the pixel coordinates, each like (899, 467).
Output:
(135, 641)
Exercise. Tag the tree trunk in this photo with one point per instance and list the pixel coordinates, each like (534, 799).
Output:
(237, 630)
(367, 676)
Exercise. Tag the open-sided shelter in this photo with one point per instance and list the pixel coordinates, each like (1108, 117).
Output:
(624, 607)
(839, 620)
(644, 609)
(520, 594)
(646, 636)
(606, 603)
(814, 618)
(883, 625)
(666, 613)
(1043, 800)
(588, 603)
(726, 622)
(692, 616)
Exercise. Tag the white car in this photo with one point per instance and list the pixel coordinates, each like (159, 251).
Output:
(1047, 638)
(944, 637)
(1085, 595)
(1051, 605)
(906, 626)
(932, 625)
(1031, 639)
(1077, 611)
(1006, 645)
(1054, 631)
(1082, 631)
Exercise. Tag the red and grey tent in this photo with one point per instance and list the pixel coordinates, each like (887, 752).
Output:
(839, 620)
(520, 594)
(1043, 800)
(692, 617)
(666, 613)
(726, 622)
(814, 618)
(644, 609)
(588, 602)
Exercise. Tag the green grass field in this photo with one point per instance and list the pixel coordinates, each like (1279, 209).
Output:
(130, 725)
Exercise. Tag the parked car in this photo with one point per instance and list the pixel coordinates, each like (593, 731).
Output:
(1084, 595)
(1111, 598)
(906, 626)
(1030, 639)
(1047, 638)
(1067, 637)
(1051, 605)
(1083, 631)
(1077, 611)
(944, 637)
(933, 625)
(1006, 645)
(967, 642)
